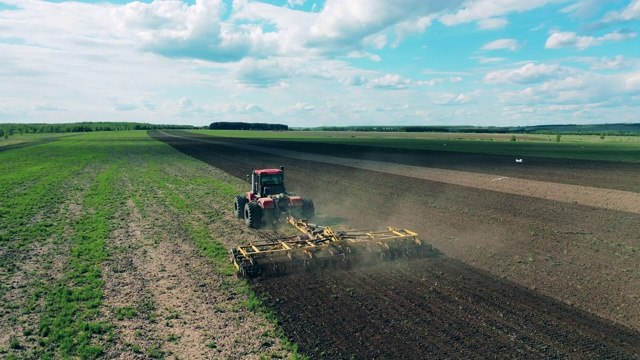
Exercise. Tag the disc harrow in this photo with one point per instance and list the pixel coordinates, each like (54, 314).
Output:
(320, 247)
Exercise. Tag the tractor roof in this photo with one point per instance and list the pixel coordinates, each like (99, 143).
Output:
(268, 171)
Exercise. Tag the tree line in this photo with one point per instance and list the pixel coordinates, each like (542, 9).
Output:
(247, 126)
(628, 129)
(11, 129)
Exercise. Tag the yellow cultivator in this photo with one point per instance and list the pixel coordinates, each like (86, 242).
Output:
(321, 247)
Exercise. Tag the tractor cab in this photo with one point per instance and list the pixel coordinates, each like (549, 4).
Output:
(268, 202)
(267, 182)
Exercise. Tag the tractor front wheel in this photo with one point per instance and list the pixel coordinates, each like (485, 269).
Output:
(238, 206)
(252, 215)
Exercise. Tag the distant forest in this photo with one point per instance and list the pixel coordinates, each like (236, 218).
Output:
(11, 129)
(628, 129)
(247, 126)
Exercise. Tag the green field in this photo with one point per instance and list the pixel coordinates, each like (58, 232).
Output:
(587, 147)
(64, 204)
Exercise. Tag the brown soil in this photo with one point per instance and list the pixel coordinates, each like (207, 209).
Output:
(434, 308)
(523, 275)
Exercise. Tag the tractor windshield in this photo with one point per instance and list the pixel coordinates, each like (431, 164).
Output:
(272, 180)
(271, 184)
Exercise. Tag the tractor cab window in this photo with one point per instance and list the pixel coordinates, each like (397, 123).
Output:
(272, 180)
(271, 184)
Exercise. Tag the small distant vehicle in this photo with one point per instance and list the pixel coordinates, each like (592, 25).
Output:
(268, 203)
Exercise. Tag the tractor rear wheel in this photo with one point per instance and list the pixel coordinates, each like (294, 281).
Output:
(238, 206)
(252, 215)
(308, 209)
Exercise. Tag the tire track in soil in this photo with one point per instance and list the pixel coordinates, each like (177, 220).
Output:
(158, 280)
(486, 215)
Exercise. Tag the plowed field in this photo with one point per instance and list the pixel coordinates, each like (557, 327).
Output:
(540, 258)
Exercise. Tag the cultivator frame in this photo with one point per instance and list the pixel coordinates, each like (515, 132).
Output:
(320, 247)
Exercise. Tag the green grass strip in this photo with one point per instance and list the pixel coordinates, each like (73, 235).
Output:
(70, 324)
(37, 181)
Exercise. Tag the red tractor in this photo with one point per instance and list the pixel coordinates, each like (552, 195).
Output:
(268, 202)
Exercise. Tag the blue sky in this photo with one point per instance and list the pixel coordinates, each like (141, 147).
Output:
(315, 63)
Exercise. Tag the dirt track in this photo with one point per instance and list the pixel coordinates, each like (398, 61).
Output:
(529, 275)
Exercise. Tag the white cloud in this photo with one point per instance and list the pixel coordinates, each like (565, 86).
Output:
(232, 108)
(173, 29)
(527, 74)
(344, 24)
(632, 82)
(354, 80)
(465, 98)
(492, 23)
(434, 81)
(631, 12)
(565, 39)
(252, 109)
(457, 99)
(185, 102)
(363, 54)
(67, 27)
(507, 44)
(389, 81)
(467, 113)
(377, 41)
(440, 80)
(298, 108)
(413, 26)
(276, 71)
(49, 107)
(124, 106)
(617, 63)
(576, 89)
(295, 2)
(256, 29)
(585, 8)
(488, 60)
(263, 73)
(186, 107)
(482, 10)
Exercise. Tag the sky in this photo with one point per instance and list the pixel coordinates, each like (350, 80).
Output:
(321, 63)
